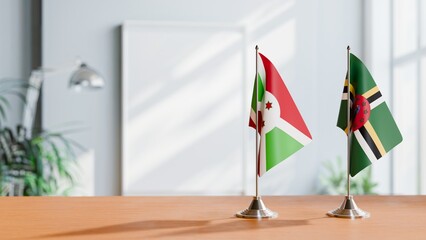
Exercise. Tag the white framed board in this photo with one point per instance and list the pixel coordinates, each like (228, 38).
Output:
(183, 108)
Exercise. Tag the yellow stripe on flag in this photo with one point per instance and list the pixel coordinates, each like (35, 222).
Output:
(375, 138)
(370, 92)
(346, 129)
(352, 89)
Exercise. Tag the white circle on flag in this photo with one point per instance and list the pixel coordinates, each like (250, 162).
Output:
(270, 112)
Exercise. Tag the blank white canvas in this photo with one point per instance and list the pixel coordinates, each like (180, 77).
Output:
(182, 109)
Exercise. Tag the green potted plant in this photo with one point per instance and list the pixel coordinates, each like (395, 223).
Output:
(333, 180)
(32, 166)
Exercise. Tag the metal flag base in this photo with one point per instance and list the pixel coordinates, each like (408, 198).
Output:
(348, 209)
(257, 209)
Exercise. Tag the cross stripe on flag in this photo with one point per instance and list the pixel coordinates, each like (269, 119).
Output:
(280, 125)
(374, 131)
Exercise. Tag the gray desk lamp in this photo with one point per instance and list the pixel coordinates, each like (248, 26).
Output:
(82, 77)
(86, 77)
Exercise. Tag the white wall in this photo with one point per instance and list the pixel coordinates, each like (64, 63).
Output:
(310, 52)
(397, 63)
(15, 47)
(377, 57)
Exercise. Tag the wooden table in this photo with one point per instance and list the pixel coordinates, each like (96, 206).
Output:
(301, 217)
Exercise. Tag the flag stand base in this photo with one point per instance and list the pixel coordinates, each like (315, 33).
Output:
(348, 209)
(257, 209)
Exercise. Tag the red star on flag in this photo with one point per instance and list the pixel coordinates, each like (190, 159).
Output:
(268, 105)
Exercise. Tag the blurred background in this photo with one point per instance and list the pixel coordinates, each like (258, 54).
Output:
(171, 117)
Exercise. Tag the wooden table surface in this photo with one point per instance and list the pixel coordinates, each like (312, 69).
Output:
(300, 217)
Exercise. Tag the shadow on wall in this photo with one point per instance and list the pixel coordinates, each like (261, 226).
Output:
(187, 103)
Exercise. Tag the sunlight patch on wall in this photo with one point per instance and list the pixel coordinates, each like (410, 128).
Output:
(266, 13)
(199, 56)
(283, 36)
(405, 110)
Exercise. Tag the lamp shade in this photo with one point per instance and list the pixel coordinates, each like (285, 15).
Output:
(86, 77)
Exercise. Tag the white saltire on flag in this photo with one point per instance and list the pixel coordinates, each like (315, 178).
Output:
(281, 127)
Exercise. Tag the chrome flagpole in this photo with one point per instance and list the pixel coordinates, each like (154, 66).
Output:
(257, 125)
(257, 208)
(348, 208)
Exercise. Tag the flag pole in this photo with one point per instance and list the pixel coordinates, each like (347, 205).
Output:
(349, 123)
(257, 208)
(257, 126)
(348, 208)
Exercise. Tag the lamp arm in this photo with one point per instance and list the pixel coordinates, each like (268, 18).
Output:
(50, 70)
(83, 76)
(33, 93)
(31, 100)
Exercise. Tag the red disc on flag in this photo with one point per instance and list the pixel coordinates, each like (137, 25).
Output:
(361, 112)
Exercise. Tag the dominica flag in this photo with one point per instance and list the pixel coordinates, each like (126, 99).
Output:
(281, 127)
(374, 131)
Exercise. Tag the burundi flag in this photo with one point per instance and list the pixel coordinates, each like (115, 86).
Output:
(281, 127)
(374, 131)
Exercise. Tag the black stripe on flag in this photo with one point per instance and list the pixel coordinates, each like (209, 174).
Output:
(370, 142)
(374, 97)
(345, 90)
